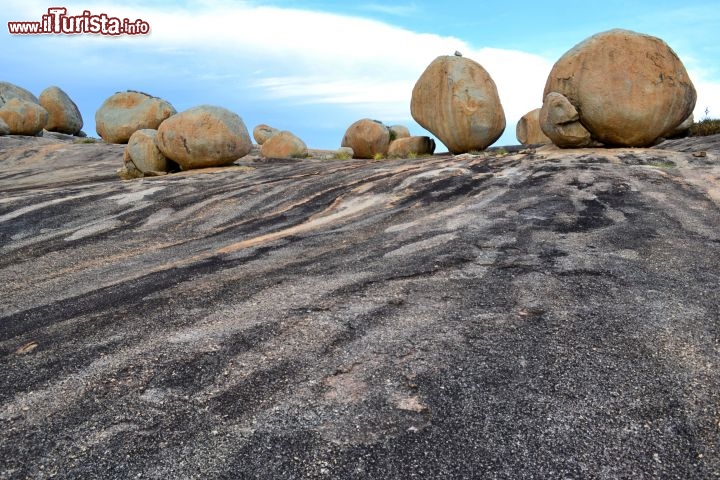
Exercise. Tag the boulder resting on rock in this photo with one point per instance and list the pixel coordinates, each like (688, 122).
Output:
(63, 114)
(367, 138)
(284, 144)
(629, 89)
(456, 100)
(123, 113)
(23, 117)
(204, 136)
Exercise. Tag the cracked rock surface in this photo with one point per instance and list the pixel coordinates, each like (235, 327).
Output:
(541, 314)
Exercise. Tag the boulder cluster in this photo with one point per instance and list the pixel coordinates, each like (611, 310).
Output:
(616, 88)
(619, 89)
(22, 113)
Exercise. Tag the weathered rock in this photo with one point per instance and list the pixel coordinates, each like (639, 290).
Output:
(204, 136)
(4, 129)
(629, 89)
(459, 317)
(528, 131)
(262, 133)
(23, 117)
(63, 114)
(144, 153)
(367, 138)
(457, 101)
(9, 91)
(398, 131)
(560, 121)
(284, 144)
(409, 146)
(124, 113)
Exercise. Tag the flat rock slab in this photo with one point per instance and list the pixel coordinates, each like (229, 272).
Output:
(540, 314)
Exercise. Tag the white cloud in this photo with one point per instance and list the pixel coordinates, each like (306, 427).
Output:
(298, 57)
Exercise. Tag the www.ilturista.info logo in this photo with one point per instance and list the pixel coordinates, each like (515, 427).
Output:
(57, 21)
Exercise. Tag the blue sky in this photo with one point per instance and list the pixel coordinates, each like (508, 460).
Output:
(314, 67)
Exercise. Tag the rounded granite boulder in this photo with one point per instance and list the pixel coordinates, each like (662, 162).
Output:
(367, 138)
(456, 100)
(123, 113)
(204, 136)
(23, 117)
(629, 89)
(63, 114)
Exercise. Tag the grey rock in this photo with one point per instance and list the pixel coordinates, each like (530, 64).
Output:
(547, 314)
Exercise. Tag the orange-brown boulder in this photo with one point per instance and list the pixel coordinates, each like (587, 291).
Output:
(408, 146)
(23, 117)
(528, 131)
(63, 114)
(367, 138)
(123, 113)
(284, 144)
(204, 136)
(457, 101)
(629, 89)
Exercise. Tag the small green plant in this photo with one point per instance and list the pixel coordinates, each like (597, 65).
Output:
(378, 156)
(299, 155)
(501, 151)
(412, 155)
(342, 155)
(705, 127)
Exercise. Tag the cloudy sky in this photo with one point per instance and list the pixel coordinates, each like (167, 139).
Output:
(314, 67)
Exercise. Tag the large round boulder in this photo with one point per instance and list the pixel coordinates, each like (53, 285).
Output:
(629, 89)
(23, 117)
(528, 131)
(63, 114)
(123, 113)
(284, 144)
(457, 101)
(204, 136)
(368, 138)
(9, 91)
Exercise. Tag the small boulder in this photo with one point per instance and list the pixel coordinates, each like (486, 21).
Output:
(144, 153)
(284, 145)
(560, 121)
(367, 138)
(63, 115)
(398, 131)
(204, 136)
(23, 117)
(629, 89)
(4, 129)
(9, 91)
(528, 131)
(123, 113)
(344, 153)
(457, 101)
(263, 132)
(409, 146)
